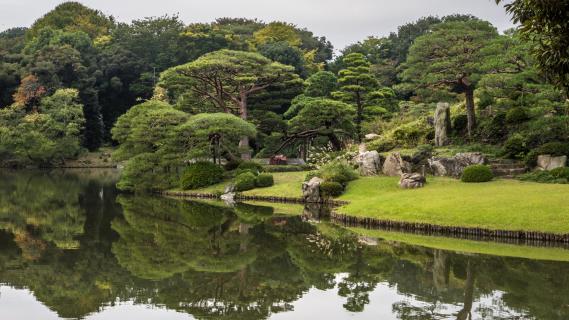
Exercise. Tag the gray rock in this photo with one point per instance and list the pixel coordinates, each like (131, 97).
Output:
(548, 162)
(371, 136)
(394, 165)
(454, 166)
(311, 190)
(442, 123)
(369, 163)
(412, 181)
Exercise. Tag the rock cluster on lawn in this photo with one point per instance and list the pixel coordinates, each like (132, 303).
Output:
(548, 162)
(412, 181)
(454, 166)
(311, 190)
(369, 163)
(394, 165)
(442, 124)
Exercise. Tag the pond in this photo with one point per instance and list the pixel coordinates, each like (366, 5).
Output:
(72, 247)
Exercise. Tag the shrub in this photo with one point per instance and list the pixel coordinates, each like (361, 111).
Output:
(459, 123)
(382, 144)
(250, 165)
(264, 180)
(553, 176)
(245, 181)
(515, 147)
(516, 115)
(232, 164)
(287, 168)
(310, 175)
(552, 148)
(240, 171)
(337, 171)
(477, 173)
(331, 189)
(201, 174)
(560, 173)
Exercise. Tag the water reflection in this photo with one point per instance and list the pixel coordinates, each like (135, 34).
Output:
(81, 250)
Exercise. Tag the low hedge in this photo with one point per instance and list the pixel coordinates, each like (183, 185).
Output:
(250, 165)
(559, 176)
(264, 180)
(201, 174)
(477, 173)
(287, 168)
(245, 181)
(331, 189)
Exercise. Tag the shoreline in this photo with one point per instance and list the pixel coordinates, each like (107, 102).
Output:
(459, 232)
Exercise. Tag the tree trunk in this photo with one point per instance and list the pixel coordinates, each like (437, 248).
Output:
(244, 142)
(465, 313)
(470, 112)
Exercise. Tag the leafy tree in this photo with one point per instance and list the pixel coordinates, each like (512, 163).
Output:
(284, 53)
(322, 117)
(47, 134)
(276, 32)
(73, 16)
(450, 57)
(209, 135)
(546, 25)
(226, 79)
(321, 84)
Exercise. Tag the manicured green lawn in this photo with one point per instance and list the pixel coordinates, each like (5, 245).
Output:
(287, 184)
(470, 246)
(500, 204)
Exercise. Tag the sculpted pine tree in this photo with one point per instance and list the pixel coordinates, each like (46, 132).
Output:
(355, 84)
(451, 57)
(226, 79)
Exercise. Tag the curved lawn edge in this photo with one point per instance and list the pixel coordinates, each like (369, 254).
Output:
(243, 197)
(455, 231)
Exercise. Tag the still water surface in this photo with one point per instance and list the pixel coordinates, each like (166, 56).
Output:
(71, 247)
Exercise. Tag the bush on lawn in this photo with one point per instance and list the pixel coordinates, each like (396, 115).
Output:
(201, 174)
(245, 181)
(331, 189)
(264, 180)
(560, 173)
(250, 165)
(337, 171)
(241, 171)
(477, 173)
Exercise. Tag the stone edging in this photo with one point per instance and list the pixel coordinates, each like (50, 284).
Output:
(463, 232)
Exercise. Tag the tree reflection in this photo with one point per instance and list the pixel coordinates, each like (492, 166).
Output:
(78, 249)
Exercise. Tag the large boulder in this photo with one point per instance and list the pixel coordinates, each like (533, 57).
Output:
(454, 166)
(442, 124)
(311, 190)
(412, 181)
(548, 162)
(394, 165)
(369, 163)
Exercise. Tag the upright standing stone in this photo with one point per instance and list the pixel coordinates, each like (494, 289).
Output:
(369, 163)
(442, 124)
(394, 165)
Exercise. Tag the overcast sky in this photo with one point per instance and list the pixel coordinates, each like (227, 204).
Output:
(341, 21)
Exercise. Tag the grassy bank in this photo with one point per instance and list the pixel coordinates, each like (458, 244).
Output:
(500, 204)
(287, 184)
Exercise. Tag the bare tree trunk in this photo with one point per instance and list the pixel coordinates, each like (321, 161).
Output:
(470, 111)
(244, 142)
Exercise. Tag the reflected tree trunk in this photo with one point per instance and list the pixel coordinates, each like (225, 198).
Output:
(465, 313)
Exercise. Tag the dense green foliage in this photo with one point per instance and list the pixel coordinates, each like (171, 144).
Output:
(477, 173)
(201, 174)
(245, 181)
(264, 180)
(331, 189)
(558, 175)
(337, 171)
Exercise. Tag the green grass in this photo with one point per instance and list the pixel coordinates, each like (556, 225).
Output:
(500, 204)
(287, 184)
(470, 246)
